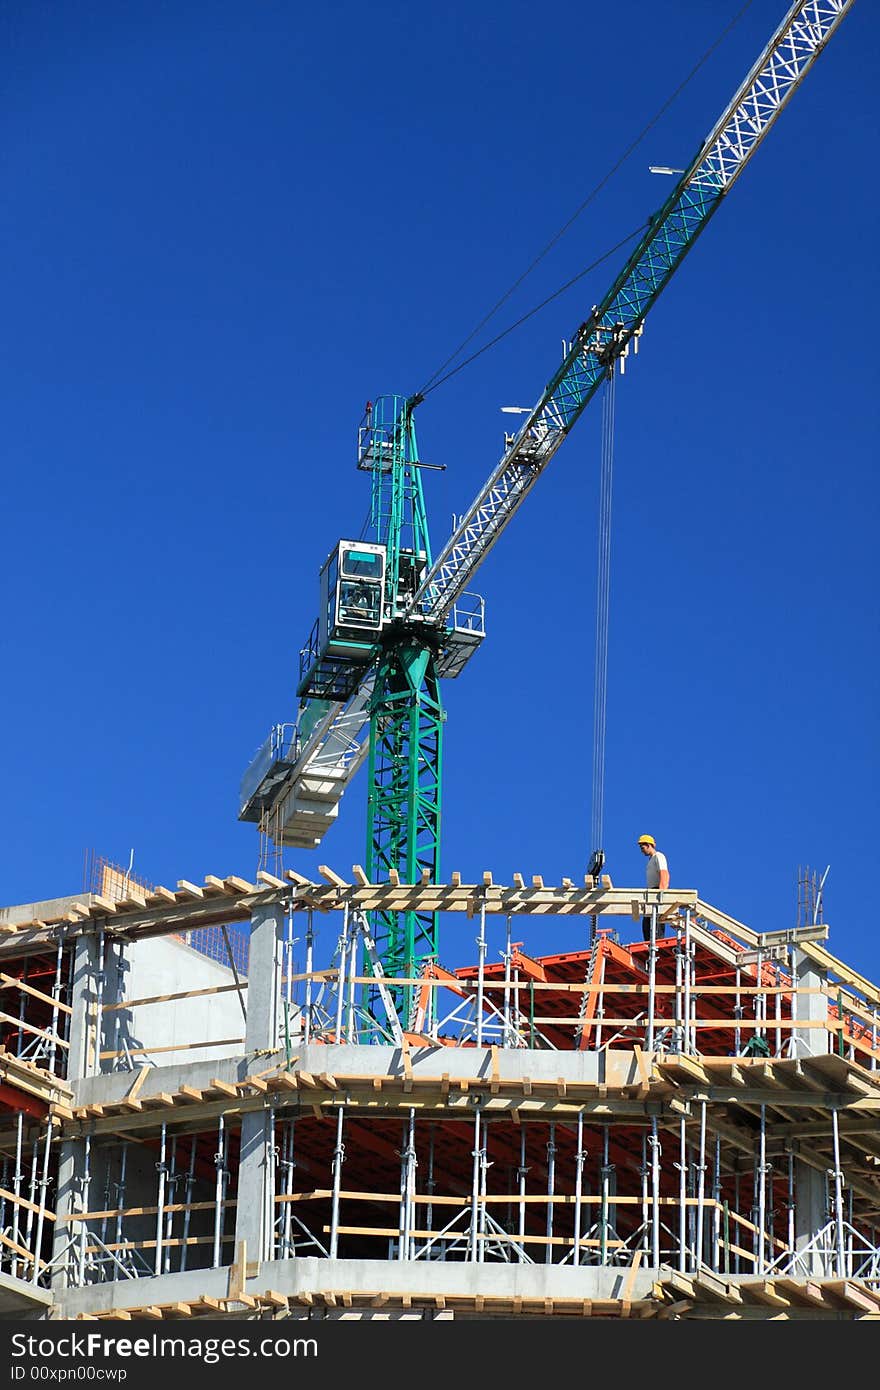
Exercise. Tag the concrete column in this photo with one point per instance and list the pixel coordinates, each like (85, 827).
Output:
(85, 961)
(264, 979)
(68, 1172)
(810, 1216)
(264, 1032)
(813, 1008)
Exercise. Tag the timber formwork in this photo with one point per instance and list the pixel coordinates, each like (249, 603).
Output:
(683, 1127)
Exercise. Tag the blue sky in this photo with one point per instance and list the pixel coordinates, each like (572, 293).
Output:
(226, 226)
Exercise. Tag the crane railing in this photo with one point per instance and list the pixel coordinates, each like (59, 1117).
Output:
(613, 324)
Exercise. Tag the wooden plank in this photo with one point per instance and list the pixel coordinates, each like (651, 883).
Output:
(139, 1081)
(16, 983)
(192, 890)
(238, 885)
(270, 879)
(332, 877)
(359, 876)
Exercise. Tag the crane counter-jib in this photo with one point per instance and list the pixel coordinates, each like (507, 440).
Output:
(618, 319)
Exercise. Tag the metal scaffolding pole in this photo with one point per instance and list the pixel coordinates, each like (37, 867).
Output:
(269, 1187)
(338, 1160)
(310, 951)
(522, 1173)
(32, 1192)
(354, 938)
(701, 1188)
(606, 1174)
(99, 1002)
(738, 1013)
(341, 973)
(407, 1187)
(172, 1191)
(85, 1188)
(430, 1184)
(551, 1190)
(161, 1169)
(56, 995)
(762, 1190)
(120, 1202)
(716, 1209)
(507, 959)
(579, 1160)
(220, 1174)
(682, 1196)
(652, 978)
(481, 972)
(19, 1138)
(44, 1183)
(654, 1142)
(838, 1196)
(190, 1185)
(689, 1001)
(473, 1240)
(289, 1165)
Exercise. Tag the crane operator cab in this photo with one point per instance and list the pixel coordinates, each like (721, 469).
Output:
(352, 589)
(350, 618)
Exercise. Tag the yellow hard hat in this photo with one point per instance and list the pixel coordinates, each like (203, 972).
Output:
(646, 840)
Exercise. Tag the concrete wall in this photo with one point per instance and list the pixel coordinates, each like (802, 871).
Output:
(166, 965)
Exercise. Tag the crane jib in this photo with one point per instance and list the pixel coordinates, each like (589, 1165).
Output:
(724, 154)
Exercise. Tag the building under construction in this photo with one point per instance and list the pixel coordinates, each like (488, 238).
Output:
(198, 1119)
(269, 1098)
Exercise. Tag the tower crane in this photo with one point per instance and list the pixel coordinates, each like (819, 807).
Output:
(394, 619)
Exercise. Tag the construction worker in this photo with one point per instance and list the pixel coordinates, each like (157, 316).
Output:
(656, 876)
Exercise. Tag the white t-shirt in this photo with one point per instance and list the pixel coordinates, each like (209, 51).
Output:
(656, 863)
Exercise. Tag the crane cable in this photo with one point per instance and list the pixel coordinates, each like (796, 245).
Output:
(603, 608)
(432, 383)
